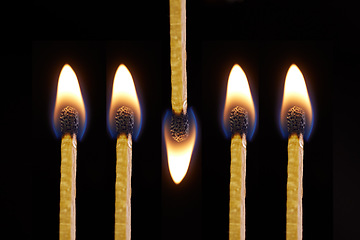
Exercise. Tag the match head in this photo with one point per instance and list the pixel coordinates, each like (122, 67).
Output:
(296, 120)
(124, 120)
(179, 126)
(69, 120)
(239, 120)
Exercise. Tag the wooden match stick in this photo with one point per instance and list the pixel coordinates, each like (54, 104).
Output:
(238, 126)
(67, 217)
(237, 187)
(124, 126)
(123, 187)
(296, 125)
(178, 56)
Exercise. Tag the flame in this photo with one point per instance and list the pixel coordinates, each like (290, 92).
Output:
(69, 94)
(238, 94)
(296, 94)
(124, 94)
(179, 153)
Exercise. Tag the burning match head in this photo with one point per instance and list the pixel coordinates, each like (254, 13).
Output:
(295, 120)
(239, 120)
(124, 120)
(69, 120)
(179, 126)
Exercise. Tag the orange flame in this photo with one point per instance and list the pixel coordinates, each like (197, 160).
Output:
(124, 94)
(238, 94)
(296, 94)
(69, 94)
(179, 153)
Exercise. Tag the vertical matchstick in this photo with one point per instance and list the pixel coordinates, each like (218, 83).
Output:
(124, 127)
(179, 119)
(239, 107)
(238, 127)
(69, 120)
(296, 126)
(178, 56)
(237, 187)
(179, 122)
(296, 116)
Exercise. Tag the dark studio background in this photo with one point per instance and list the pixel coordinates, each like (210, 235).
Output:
(263, 37)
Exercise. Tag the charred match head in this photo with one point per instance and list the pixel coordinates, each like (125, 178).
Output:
(124, 120)
(179, 126)
(69, 120)
(239, 120)
(295, 120)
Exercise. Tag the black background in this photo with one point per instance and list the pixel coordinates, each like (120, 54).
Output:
(265, 38)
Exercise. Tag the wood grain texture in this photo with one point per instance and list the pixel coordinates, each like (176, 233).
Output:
(294, 187)
(178, 55)
(237, 187)
(67, 215)
(122, 229)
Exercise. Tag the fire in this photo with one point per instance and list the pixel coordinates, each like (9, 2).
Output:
(238, 94)
(296, 94)
(124, 94)
(179, 153)
(69, 94)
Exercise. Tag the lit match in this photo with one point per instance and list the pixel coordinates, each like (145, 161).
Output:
(181, 144)
(296, 111)
(69, 120)
(124, 116)
(239, 120)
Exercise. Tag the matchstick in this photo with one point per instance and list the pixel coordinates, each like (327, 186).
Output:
(238, 127)
(69, 119)
(179, 121)
(178, 56)
(124, 127)
(179, 126)
(296, 126)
